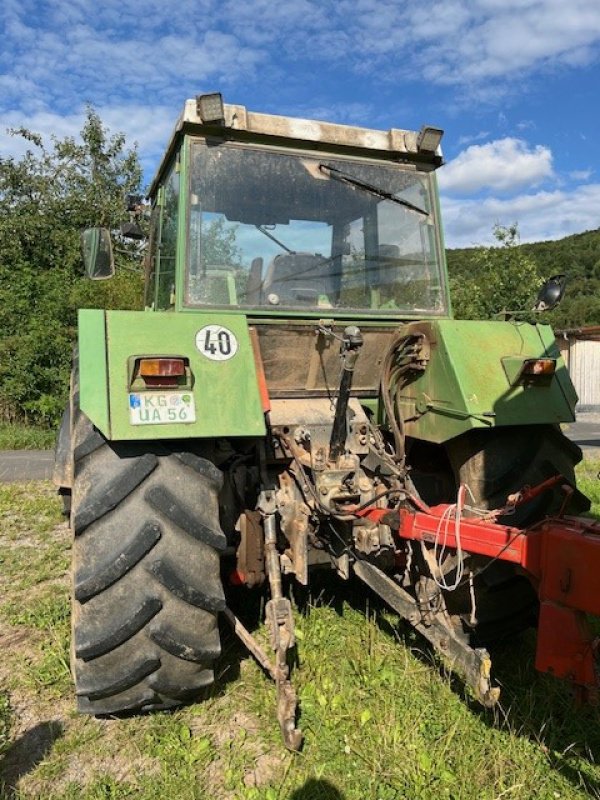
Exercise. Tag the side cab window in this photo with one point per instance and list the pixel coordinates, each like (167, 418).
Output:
(162, 250)
(151, 266)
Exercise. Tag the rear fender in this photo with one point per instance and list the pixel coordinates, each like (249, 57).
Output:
(223, 385)
(469, 381)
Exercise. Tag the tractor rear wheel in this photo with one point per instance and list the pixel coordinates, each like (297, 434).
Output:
(146, 573)
(498, 462)
(493, 464)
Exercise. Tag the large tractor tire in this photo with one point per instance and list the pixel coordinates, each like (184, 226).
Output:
(146, 577)
(494, 464)
(498, 462)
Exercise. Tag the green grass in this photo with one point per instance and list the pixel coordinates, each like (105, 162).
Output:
(4, 722)
(31, 508)
(16, 436)
(588, 481)
(33, 550)
(382, 718)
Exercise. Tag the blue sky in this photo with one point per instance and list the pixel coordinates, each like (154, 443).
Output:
(514, 83)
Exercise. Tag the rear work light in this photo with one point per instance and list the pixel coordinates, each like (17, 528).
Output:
(161, 371)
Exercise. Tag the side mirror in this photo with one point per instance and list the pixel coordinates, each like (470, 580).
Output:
(551, 293)
(96, 249)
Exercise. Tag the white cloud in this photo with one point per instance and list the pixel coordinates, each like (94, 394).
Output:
(540, 215)
(147, 126)
(473, 137)
(154, 52)
(136, 64)
(581, 174)
(503, 165)
(498, 39)
(470, 43)
(44, 123)
(74, 50)
(526, 125)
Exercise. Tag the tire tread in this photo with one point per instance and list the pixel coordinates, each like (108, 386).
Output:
(146, 596)
(90, 584)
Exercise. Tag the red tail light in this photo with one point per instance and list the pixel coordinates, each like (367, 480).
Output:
(165, 367)
(542, 367)
(161, 372)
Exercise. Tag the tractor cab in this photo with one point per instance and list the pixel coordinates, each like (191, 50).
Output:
(271, 215)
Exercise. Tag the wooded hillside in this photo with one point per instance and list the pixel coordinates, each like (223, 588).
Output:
(506, 277)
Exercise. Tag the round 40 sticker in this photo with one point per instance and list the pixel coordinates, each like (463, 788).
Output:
(216, 342)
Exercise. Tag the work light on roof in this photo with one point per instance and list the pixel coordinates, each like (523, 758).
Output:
(210, 107)
(429, 139)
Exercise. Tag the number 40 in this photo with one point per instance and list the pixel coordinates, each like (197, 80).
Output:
(223, 342)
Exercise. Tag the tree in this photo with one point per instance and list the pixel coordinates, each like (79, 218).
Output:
(46, 198)
(488, 280)
(219, 244)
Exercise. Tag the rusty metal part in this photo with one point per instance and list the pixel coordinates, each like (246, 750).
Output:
(340, 486)
(473, 663)
(351, 344)
(280, 622)
(250, 553)
(298, 536)
(295, 525)
(272, 555)
(367, 539)
(304, 427)
(281, 626)
(250, 643)
(287, 702)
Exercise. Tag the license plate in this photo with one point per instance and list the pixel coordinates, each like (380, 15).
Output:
(161, 408)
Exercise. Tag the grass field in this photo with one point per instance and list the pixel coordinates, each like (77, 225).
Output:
(382, 718)
(25, 437)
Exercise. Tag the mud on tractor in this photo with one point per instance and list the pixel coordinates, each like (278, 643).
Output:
(297, 396)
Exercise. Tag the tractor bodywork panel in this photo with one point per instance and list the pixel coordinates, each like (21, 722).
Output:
(471, 380)
(93, 368)
(218, 396)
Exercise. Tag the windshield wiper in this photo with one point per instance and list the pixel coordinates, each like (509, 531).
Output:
(338, 175)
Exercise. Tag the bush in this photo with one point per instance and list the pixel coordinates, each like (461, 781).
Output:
(46, 198)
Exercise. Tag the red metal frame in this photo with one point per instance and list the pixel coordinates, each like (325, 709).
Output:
(561, 556)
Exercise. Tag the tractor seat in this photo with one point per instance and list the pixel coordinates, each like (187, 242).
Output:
(299, 279)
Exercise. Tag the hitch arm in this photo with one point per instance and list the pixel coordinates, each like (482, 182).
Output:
(474, 664)
(281, 625)
(351, 344)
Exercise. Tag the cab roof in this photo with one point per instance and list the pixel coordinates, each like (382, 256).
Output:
(239, 124)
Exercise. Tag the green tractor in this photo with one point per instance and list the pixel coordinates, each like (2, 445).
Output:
(297, 396)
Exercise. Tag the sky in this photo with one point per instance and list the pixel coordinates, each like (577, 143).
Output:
(515, 84)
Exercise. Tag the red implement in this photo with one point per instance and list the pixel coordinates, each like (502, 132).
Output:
(562, 559)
